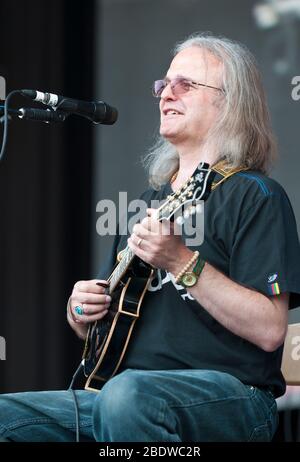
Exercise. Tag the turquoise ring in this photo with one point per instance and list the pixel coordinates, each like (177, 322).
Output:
(78, 310)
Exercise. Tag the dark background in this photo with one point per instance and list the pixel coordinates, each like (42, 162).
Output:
(45, 193)
(52, 177)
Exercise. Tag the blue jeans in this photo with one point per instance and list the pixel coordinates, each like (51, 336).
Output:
(147, 406)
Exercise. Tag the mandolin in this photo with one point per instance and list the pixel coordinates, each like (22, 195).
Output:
(107, 339)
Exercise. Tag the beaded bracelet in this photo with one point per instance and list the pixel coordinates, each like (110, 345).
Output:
(187, 266)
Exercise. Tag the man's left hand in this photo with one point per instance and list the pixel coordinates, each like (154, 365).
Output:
(159, 244)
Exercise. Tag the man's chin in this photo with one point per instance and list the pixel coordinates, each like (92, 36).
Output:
(168, 134)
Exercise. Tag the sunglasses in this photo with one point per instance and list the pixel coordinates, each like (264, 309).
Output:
(179, 86)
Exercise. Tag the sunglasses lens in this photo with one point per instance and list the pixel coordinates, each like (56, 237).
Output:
(158, 87)
(180, 86)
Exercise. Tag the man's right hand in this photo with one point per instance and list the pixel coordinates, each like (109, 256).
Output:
(91, 298)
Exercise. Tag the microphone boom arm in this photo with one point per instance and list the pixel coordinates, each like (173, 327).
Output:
(39, 115)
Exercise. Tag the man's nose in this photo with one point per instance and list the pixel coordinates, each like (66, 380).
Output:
(168, 92)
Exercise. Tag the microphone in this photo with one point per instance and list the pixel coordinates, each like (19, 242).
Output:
(97, 111)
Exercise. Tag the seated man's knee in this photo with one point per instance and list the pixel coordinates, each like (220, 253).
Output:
(120, 396)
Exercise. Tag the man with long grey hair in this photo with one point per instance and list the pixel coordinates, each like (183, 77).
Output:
(242, 133)
(203, 362)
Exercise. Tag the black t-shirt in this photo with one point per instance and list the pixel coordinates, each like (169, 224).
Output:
(251, 236)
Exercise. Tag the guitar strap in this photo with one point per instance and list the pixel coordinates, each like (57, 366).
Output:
(223, 172)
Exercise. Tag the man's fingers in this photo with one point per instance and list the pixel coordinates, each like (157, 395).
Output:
(85, 297)
(84, 319)
(93, 308)
(94, 286)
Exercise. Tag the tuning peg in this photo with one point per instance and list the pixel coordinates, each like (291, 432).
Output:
(179, 220)
(199, 208)
(120, 255)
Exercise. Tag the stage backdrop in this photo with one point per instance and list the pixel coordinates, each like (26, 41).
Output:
(45, 188)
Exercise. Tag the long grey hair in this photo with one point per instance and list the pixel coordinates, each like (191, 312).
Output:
(242, 134)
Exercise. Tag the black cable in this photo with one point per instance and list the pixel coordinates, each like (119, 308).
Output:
(15, 112)
(5, 130)
(76, 406)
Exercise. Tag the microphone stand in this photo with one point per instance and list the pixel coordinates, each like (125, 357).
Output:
(10, 112)
(39, 115)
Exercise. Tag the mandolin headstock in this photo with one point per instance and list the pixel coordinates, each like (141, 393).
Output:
(186, 200)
